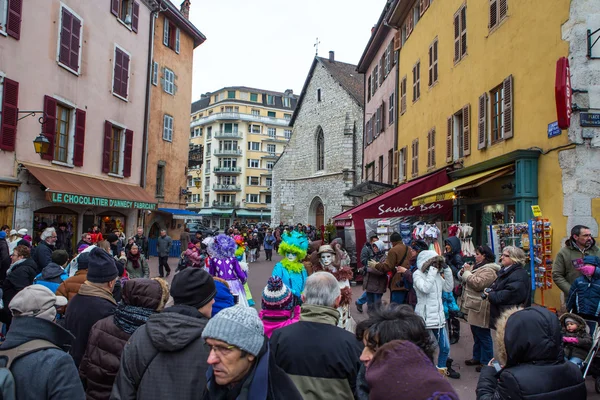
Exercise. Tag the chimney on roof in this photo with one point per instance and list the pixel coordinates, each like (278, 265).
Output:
(185, 8)
(204, 95)
(289, 92)
(331, 56)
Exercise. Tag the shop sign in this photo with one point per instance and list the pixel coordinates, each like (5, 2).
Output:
(537, 211)
(408, 209)
(563, 93)
(343, 223)
(589, 119)
(83, 200)
(554, 129)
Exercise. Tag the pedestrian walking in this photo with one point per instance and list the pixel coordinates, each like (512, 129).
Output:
(137, 265)
(163, 247)
(268, 244)
(253, 247)
(375, 281)
(42, 254)
(366, 254)
(54, 273)
(142, 242)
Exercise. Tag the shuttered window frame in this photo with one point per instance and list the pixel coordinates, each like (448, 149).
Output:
(498, 13)
(125, 151)
(433, 63)
(133, 13)
(13, 15)
(9, 107)
(460, 33)
(403, 84)
(76, 131)
(415, 158)
(121, 73)
(68, 53)
(431, 149)
(416, 72)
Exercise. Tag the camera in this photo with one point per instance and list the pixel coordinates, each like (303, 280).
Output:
(484, 295)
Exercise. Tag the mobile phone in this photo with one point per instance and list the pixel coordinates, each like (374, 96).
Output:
(236, 298)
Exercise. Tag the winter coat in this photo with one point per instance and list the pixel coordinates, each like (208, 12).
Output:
(5, 254)
(142, 242)
(184, 238)
(194, 256)
(511, 288)
(101, 361)
(63, 241)
(70, 287)
(453, 259)
(264, 381)
(223, 298)
(169, 343)
(269, 242)
(142, 272)
(43, 374)
(21, 276)
(429, 285)
(299, 350)
(89, 306)
(584, 340)
(42, 255)
(411, 297)
(476, 309)
(163, 245)
(96, 237)
(228, 269)
(584, 296)
(51, 276)
(375, 281)
(293, 280)
(366, 254)
(275, 319)
(253, 244)
(528, 345)
(396, 256)
(563, 273)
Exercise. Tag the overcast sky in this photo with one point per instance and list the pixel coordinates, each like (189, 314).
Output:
(268, 44)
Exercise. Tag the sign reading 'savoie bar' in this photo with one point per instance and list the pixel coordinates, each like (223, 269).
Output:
(83, 200)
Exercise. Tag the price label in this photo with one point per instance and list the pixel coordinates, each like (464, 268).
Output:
(537, 211)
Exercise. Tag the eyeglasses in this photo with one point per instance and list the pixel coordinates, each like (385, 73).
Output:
(220, 351)
(504, 255)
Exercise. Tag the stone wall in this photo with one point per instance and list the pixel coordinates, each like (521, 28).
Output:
(297, 185)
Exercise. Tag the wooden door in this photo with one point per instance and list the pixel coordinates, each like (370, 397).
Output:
(320, 216)
(7, 205)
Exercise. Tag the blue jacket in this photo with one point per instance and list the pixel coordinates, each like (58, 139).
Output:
(266, 244)
(295, 281)
(584, 296)
(223, 298)
(51, 277)
(449, 303)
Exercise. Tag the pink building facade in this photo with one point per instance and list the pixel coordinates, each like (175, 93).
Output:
(83, 67)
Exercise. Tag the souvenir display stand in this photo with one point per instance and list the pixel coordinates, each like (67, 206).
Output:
(510, 234)
(384, 231)
(540, 255)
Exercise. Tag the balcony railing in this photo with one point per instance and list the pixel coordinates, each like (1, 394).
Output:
(232, 135)
(267, 172)
(276, 139)
(270, 155)
(227, 170)
(236, 116)
(227, 188)
(225, 204)
(230, 152)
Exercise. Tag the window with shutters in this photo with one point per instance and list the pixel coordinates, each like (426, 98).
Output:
(458, 135)
(69, 40)
(415, 158)
(433, 63)
(168, 128)
(116, 150)
(391, 109)
(380, 177)
(369, 88)
(61, 139)
(127, 12)
(10, 17)
(155, 73)
(416, 81)
(403, 96)
(377, 122)
(320, 150)
(402, 162)
(121, 63)
(498, 12)
(382, 72)
(497, 113)
(9, 107)
(374, 85)
(171, 35)
(391, 163)
(460, 33)
(3, 15)
(501, 112)
(160, 179)
(169, 81)
(388, 58)
(431, 149)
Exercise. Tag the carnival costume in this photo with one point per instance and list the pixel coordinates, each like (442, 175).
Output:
(223, 264)
(240, 254)
(343, 274)
(290, 269)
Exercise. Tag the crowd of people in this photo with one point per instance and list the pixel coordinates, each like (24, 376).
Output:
(95, 325)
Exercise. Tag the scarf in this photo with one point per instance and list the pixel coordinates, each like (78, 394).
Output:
(292, 266)
(128, 318)
(88, 289)
(13, 266)
(135, 260)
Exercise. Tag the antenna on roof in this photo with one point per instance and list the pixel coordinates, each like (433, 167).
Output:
(316, 45)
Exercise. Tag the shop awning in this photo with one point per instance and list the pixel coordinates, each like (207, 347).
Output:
(447, 192)
(217, 212)
(253, 213)
(205, 212)
(66, 188)
(368, 187)
(180, 214)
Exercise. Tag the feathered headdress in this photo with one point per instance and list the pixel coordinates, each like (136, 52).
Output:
(223, 247)
(294, 242)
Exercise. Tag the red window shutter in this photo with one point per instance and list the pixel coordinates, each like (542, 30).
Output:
(135, 17)
(49, 126)
(10, 108)
(481, 126)
(13, 22)
(74, 46)
(118, 72)
(65, 38)
(128, 153)
(115, 5)
(107, 149)
(124, 75)
(449, 149)
(79, 138)
(466, 111)
(508, 107)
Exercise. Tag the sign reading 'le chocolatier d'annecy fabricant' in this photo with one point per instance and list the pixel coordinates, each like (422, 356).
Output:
(83, 200)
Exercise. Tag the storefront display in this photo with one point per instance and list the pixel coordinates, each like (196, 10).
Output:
(52, 216)
(540, 251)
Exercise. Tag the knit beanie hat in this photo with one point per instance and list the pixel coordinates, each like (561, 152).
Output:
(395, 237)
(568, 319)
(111, 238)
(101, 267)
(419, 245)
(83, 261)
(238, 326)
(277, 296)
(193, 287)
(60, 257)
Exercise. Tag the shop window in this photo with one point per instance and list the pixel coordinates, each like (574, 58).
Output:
(160, 179)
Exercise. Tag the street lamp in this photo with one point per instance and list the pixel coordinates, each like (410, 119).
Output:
(41, 144)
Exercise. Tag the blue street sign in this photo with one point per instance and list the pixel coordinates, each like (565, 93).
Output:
(553, 129)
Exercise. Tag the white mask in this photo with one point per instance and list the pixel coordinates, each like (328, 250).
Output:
(326, 259)
(291, 256)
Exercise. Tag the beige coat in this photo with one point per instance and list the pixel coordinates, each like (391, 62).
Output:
(477, 310)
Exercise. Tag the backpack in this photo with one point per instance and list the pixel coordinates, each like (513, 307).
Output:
(9, 356)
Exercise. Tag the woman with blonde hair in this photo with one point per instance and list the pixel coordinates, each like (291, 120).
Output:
(512, 287)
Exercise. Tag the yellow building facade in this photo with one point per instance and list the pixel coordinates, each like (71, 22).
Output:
(242, 132)
(476, 95)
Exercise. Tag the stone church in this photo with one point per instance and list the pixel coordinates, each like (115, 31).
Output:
(323, 158)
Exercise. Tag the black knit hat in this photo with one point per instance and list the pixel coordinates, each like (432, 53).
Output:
(60, 257)
(419, 245)
(395, 237)
(193, 287)
(487, 253)
(101, 267)
(83, 260)
(111, 238)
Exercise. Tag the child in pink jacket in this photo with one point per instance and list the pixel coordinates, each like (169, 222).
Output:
(278, 306)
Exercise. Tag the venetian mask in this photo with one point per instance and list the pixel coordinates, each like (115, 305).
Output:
(291, 256)
(326, 259)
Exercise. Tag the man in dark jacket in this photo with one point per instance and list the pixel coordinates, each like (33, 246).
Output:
(169, 344)
(163, 248)
(184, 238)
(48, 372)
(452, 255)
(531, 360)
(63, 239)
(142, 242)
(21, 274)
(4, 256)
(93, 302)
(42, 254)
(86, 238)
(398, 256)
(241, 366)
(321, 358)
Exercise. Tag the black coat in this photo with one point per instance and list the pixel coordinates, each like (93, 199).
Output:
(511, 288)
(83, 312)
(4, 259)
(21, 276)
(453, 259)
(42, 255)
(535, 366)
(63, 241)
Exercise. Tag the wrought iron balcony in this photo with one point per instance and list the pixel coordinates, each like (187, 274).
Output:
(226, 188)
(225, 204)
(227, 170)
(228, 152)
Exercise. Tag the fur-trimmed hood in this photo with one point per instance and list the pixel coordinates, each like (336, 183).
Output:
(530, 335)
(581, 324)
(428, 258)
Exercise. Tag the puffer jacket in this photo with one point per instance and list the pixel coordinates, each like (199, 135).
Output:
(51, 276)
(511, 288)
(529, 349)
(429, 285)
(70, 287)
(169, 342)
(583, 345)
(375, 281)
(275, 319)
(476, 309)
(563, 273)
(584, 296)
(101, 361)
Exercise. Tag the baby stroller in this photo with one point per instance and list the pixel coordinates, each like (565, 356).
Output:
(591, 364)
